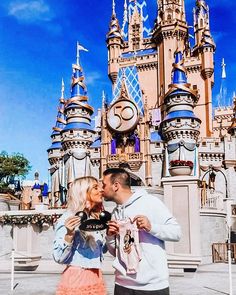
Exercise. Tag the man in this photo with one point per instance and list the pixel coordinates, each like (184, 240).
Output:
(154, 224)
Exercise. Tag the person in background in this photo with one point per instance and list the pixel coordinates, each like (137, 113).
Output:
(143, 269)
(81, 251)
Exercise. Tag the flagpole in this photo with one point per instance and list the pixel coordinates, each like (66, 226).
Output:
(77, 54)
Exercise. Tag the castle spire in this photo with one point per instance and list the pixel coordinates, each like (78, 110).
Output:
(222, 96)
(114, 30)
(125, 24)
(62, 88)
(223, 65)
(54, 153)
(113, 7)
(202, 25)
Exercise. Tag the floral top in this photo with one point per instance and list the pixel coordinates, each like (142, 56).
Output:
(77, 253)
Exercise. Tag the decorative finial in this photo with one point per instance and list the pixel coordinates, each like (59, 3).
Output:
(62, 88)
(223, 65)
(103, 100)
(113, 7)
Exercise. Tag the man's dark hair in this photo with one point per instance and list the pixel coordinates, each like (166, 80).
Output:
(118, 174)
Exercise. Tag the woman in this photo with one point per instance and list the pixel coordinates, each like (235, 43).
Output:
(81, 251)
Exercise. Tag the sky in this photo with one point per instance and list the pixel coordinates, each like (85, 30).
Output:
(38, 46)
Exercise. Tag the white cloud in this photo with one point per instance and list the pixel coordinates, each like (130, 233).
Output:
(92, 78)
(30, 11)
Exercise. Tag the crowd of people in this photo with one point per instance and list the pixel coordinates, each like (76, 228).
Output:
(135, 236)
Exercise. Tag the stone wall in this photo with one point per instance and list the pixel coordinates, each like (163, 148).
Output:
(213, 230)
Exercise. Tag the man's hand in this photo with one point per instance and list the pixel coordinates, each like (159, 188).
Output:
(71, 224)
(113, 228)
(142, 222)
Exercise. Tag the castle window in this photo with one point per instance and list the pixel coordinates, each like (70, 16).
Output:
(178, 120)
(85, 132)
(216, 143)
(195, 87)
(192, 120)
(157, 144)
(71, 131)
(96, 150)
(204, 143)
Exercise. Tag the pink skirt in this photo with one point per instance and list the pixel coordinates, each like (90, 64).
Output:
(81, 281)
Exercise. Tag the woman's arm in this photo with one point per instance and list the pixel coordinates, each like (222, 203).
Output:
(65, 232)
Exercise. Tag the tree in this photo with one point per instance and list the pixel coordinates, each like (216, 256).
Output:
(12, 166)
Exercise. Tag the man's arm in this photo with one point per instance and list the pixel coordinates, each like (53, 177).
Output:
(160, 223)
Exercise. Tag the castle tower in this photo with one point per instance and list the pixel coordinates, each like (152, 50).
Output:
(114, 43)
(78, 133)
(180, 128)
(170, 33)
(55, 152)
(204, 49)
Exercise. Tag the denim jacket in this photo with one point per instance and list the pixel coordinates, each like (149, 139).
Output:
(77, 253)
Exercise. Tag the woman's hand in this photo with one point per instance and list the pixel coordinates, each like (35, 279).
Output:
(113, 228)
(71, 224)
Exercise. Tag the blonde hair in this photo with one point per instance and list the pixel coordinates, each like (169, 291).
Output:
(78, 194)
(79, 191)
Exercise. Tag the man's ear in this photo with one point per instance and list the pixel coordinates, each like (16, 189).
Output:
(116, 186)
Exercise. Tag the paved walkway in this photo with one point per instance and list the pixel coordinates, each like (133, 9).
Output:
(210, 279)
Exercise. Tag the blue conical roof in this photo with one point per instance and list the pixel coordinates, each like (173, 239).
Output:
(179, 75)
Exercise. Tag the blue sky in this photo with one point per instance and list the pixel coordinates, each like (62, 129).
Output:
(37, 47)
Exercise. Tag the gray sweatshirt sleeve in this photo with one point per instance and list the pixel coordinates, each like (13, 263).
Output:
(163, 225)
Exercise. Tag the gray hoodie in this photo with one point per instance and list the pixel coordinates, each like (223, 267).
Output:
(152, 271)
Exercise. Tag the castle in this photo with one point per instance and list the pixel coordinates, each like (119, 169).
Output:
(158, 124)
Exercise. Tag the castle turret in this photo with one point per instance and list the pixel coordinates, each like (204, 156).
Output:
(55, 152)
(78, 133)
(114, 43)
(180, 128)
(204, 49)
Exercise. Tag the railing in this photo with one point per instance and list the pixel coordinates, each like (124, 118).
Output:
(220, 252)
(211, 200)
(125, 157)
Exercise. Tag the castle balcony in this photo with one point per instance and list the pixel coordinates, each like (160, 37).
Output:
(132, 160)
